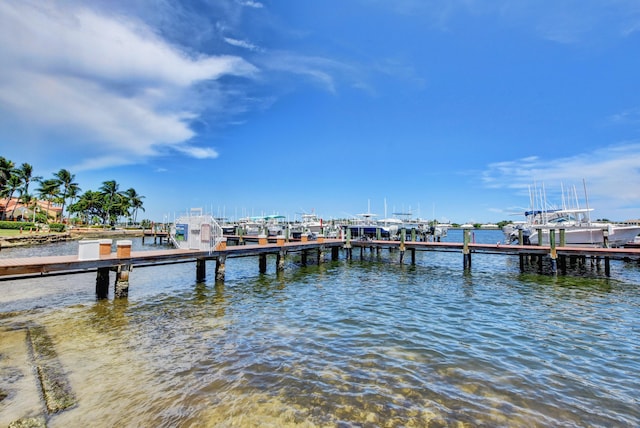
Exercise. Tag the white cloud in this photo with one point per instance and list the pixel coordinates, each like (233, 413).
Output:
(115, 91)
(250, 3)
(241, 44)
(612, 175)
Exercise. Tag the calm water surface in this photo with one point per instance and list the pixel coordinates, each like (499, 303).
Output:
(361, 343)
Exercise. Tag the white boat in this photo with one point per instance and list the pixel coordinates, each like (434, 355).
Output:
(366, 228)
(579, 230)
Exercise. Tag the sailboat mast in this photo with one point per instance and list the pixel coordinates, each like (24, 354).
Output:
(586, 200)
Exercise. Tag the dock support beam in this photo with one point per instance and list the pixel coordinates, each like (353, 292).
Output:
(220, 267)
(263, 263)
(320, 255)
(335, 253)
(102, 283)
(413, 256)
(554, 253)
(121, 288)
(201, 270)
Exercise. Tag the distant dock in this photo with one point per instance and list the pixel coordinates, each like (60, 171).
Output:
(545, 259)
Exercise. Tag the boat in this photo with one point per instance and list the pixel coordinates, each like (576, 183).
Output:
(576, 222)
(366, 228)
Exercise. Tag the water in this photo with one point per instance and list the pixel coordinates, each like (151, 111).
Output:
(361, 343)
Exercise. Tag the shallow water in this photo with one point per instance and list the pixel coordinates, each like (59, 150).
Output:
(365, 343)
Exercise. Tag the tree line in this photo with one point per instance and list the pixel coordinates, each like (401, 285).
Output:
(105, 205)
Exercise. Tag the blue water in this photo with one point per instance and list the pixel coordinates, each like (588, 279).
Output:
(362, 343)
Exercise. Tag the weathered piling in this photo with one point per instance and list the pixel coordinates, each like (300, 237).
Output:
(121, 288)
(280, 260)
(553, 253)
(220, 267)
(466, 253)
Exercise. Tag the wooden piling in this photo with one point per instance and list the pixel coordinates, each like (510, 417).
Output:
(280, 260)
(335, 253)
(263, 263)
(221, 262)
(121, 288)
(553, 253)
(466, 253)
(102, 283)
(201, 270)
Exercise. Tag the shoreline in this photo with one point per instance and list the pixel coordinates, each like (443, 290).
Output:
(75, 234)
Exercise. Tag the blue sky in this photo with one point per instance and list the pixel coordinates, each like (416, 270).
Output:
(449, 108)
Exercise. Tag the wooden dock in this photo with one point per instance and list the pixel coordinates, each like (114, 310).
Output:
(121, 263)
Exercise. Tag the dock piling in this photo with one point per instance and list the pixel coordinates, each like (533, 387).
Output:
(121, 288)
(220, 267)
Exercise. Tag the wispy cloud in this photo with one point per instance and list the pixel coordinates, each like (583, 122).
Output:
(241, 44)
(250, 3)
(113, 90)
(561, 21)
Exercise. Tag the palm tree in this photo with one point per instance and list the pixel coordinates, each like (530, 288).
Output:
(6, 171)
(13, 184)
(25, 172)
(135, 201)
(90, 204)
(49, 190)
(112, 200)
(65, 178)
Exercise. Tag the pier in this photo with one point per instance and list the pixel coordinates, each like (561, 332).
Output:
(544, 258)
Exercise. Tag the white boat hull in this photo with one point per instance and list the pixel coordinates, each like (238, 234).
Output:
(587, 236)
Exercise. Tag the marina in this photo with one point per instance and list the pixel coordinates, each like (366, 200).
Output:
(370, 339)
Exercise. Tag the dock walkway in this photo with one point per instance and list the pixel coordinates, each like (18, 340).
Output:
(560, 257)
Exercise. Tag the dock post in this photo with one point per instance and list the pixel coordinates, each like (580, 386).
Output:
(520, 237)
(607, 267)
(320, 254)
(378, 234)
(102, 283)
(280, 259)
(263, 263)
(605, 238)
(303, 257)
(403, 237)
(539, 232)
(466, 254)
(220, 267)
(563, 239)
(413, 256)
(413, 235)
(121, 288)
(521, 257)
(553, 254)
(201, 270)
(335, 253)
(347, 244)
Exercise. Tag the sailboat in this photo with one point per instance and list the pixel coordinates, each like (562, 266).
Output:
(576, 222)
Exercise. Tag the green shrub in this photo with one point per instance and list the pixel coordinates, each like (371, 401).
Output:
(15, 225)
(56, 227)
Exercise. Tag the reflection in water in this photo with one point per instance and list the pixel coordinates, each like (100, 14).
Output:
(359, 343)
